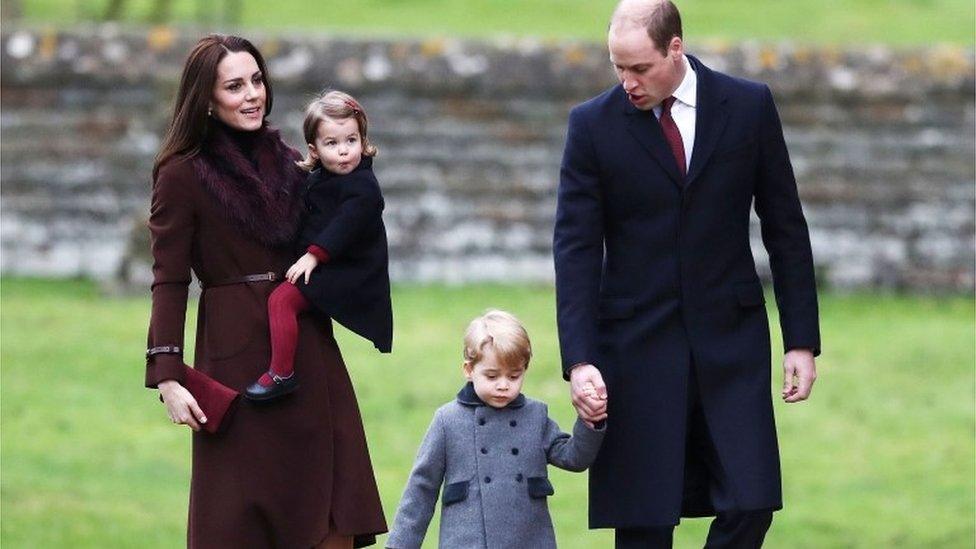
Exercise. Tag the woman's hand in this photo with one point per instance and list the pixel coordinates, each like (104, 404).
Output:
(180, 404)
(304, 266)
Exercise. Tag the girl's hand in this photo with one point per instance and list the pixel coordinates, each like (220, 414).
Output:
(304, 266)
(180, 404)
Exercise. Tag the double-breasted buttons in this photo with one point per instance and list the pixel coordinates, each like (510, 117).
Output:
(513, 423)
(481, 421)
(518, 477)
(514, 451)
(487, 480)
(484, 450)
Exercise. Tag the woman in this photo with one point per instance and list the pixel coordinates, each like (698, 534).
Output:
(225, 203)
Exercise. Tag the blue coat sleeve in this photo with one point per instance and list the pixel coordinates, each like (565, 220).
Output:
(578, 246)
(785, 236)
(420, 495)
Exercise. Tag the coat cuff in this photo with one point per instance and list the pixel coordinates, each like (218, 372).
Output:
(569, 370)
(587, 433)
(319, 252)
(162, 367)
(809, 346)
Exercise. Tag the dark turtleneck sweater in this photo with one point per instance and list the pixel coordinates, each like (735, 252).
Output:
(245, 140)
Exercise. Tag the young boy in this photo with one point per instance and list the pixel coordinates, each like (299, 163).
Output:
(489, 448)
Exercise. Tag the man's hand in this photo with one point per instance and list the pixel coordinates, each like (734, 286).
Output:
(589, 393)
(303, 267)
(799, 373)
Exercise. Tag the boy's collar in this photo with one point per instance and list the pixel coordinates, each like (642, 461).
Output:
(468, 397)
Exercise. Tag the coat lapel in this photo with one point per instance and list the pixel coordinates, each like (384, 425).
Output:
(710, 119)
(646, 129)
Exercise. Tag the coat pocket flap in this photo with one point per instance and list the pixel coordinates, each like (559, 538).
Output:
(749, 294)
(539, 487)
(616, 307)
(455, 492)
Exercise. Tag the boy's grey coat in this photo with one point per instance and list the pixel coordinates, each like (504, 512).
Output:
(492, 463)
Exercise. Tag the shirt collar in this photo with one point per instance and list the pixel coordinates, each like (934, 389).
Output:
(687, 91)
(468, 397)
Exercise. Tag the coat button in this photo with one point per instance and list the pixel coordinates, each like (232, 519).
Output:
(514, 451)
(513, 423)
(487, 480)
(518, 477)
(484, 450)
(481, 421)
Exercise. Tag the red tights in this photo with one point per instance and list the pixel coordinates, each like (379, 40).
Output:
(283, 307)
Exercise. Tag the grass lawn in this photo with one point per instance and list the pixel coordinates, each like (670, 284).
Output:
(882, 456)
(840, 22)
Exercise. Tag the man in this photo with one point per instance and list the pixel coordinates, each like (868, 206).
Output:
(659, 304)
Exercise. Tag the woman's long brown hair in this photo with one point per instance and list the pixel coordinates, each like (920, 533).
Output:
(189, 125)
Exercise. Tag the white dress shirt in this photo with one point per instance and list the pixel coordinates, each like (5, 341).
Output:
(683, 110)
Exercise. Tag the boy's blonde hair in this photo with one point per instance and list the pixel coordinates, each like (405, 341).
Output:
(501, 332)
(336, 105)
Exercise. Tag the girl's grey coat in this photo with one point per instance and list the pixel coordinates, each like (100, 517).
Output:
(492, 463)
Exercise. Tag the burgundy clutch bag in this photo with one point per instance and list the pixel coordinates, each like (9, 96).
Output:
(217, 400)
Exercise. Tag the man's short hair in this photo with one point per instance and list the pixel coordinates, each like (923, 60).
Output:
(661, 20)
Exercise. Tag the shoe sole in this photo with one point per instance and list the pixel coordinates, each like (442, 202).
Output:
(269, 399)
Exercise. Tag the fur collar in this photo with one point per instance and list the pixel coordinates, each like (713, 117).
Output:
(261, 198)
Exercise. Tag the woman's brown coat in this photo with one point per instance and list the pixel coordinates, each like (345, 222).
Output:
(286, 474)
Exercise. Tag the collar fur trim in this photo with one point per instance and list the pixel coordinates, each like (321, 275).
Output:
(261, 198)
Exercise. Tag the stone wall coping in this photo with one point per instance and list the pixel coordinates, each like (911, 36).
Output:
(110, 54)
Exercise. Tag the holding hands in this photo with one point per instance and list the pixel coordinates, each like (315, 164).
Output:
(303, 267)
(589, 393)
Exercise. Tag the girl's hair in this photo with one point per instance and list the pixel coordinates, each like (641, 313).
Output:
(501, 332)
(188, 128)
(335, 105)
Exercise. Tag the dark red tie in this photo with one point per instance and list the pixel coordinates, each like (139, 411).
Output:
(672, 134)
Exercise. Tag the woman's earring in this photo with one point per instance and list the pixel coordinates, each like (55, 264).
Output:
(210, 111)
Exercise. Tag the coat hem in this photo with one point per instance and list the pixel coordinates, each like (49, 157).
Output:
(358, 540)
(603, 525)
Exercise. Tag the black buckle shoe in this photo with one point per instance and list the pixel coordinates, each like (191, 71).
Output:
(281, 387)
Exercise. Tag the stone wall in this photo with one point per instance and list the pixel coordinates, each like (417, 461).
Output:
(470, 137)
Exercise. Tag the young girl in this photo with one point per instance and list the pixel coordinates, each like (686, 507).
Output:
(344, 270)
(489, 448)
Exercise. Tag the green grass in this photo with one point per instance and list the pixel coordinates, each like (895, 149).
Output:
(882, 456)
(838, 22)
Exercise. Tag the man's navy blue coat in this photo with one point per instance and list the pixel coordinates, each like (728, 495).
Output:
(654, 272)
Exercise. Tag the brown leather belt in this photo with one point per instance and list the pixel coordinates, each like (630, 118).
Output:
(246, 279)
